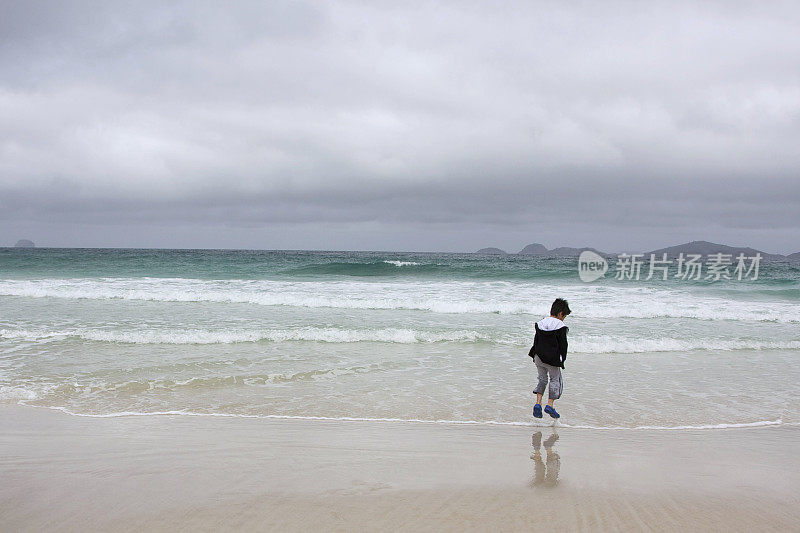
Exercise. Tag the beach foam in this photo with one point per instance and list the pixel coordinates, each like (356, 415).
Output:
(579, 344)
(199, 336)
(452, 297)
(725, 425)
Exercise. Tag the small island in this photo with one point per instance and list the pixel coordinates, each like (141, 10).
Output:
(694, 247)
(534, 249)
(491, 251)
(24, 243)
(563, 251)
(707, 248)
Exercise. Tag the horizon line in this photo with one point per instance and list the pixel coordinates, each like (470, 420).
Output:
(353, 250)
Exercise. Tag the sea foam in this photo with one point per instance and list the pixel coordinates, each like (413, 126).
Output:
(453, 297)
(228, 336)
(182, 412)
(579, 343)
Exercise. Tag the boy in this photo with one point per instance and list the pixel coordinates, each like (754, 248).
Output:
(549, 352)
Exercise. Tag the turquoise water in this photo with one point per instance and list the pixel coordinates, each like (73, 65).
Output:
(388, 335)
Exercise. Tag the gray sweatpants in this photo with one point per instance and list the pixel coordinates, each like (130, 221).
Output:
(556, 381)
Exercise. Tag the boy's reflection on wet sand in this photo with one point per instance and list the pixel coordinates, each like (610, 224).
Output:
(545, 473)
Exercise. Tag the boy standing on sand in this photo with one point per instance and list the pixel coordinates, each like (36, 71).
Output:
(549, 352)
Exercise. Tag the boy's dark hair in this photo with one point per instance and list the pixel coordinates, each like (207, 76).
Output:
(560, 306)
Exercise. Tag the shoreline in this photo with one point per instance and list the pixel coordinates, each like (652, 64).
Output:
(546, 422)
(164, 472)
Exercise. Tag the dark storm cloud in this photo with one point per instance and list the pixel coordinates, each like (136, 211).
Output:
(620, 115)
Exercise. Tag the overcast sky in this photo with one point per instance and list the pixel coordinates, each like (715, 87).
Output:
(400, 125)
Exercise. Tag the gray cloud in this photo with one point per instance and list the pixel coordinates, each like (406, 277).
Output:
(670, 122)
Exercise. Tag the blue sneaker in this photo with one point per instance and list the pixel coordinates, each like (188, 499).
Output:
(537, 411)
(552, 412)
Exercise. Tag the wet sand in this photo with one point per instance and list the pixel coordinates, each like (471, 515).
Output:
(68, 473)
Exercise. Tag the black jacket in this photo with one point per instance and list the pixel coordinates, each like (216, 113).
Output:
(550, 346)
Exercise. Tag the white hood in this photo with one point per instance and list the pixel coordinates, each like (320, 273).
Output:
(550, 323)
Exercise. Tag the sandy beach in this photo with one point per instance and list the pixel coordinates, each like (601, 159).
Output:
(69, 473)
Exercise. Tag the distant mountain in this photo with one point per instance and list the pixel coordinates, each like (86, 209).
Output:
(534, 249)
(491, 251)
(704, 248)
(566, 251)
(24, 243)
(563, 251)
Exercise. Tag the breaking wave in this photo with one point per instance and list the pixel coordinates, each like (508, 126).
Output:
(376, 268)
(579, 344)
(200, 336)
(453, 297)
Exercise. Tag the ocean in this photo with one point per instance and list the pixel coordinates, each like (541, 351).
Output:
(431, 337)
